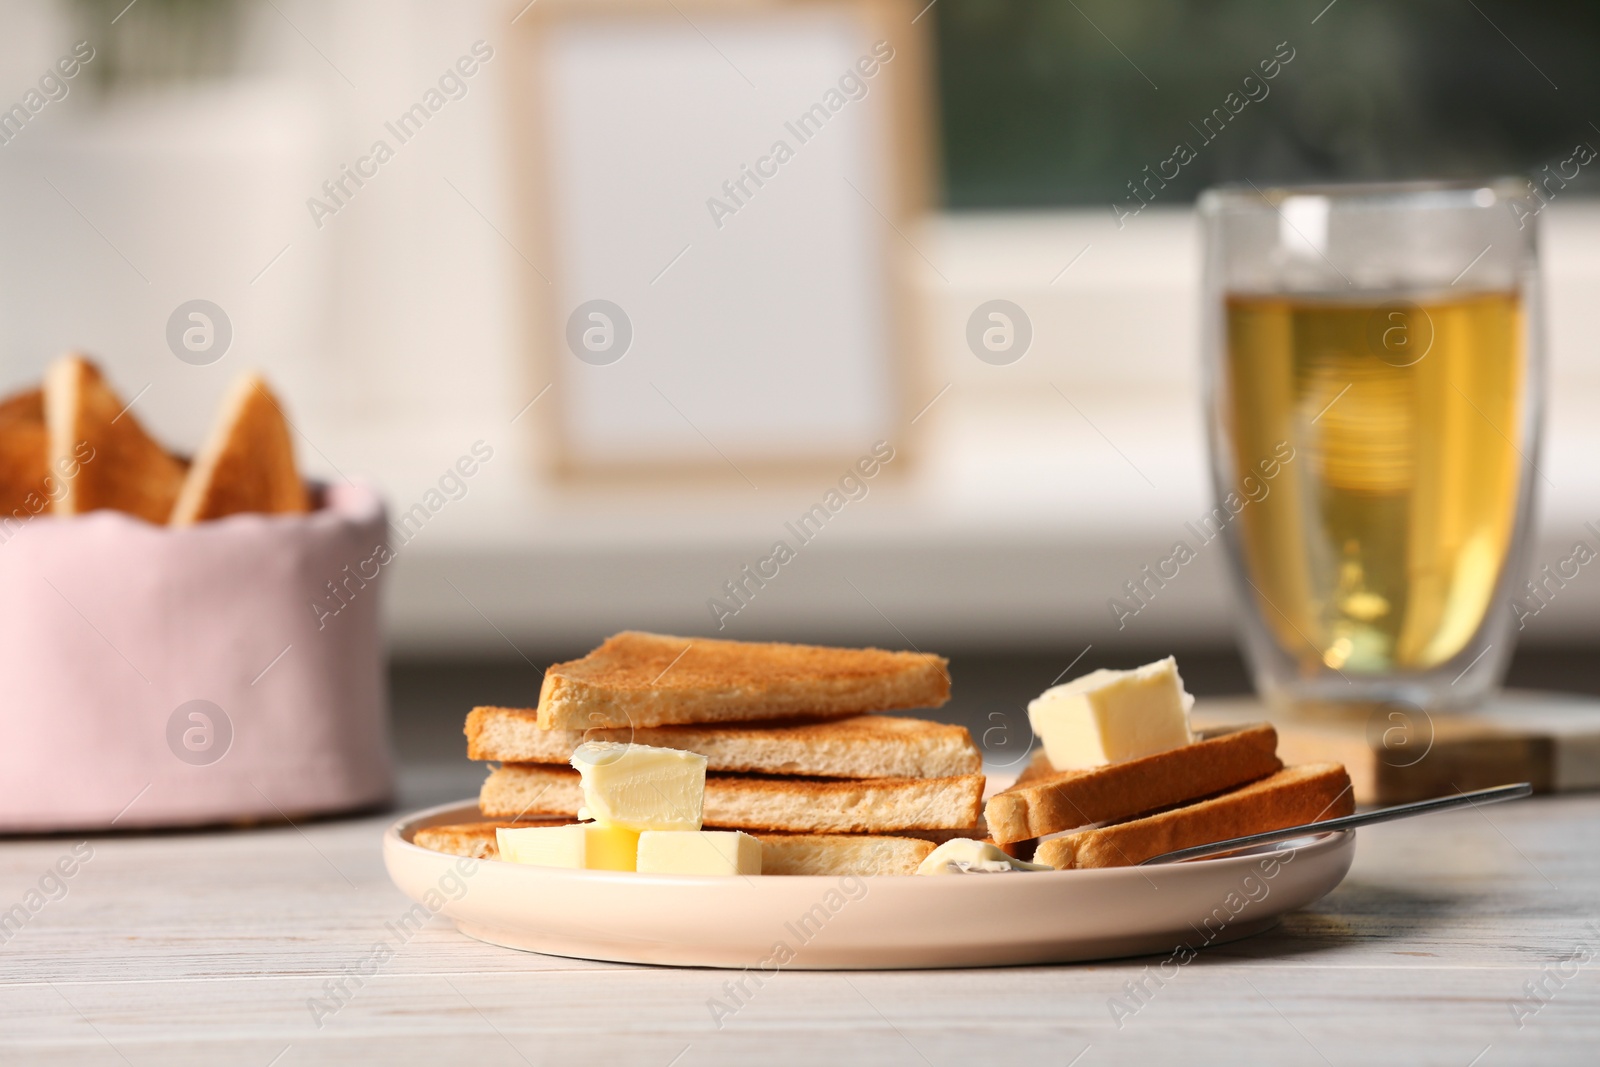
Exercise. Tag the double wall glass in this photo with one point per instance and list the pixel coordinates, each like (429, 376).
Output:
(1373, 379)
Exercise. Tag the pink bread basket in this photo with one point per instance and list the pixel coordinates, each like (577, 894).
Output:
(178, 677)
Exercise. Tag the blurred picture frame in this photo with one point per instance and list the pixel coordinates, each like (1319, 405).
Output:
(716, 201)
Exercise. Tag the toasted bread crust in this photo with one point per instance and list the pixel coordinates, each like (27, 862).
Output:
(736, 802)
(24, 454)
(642, 680)
(24, 406)
(247, 464)
(474, 839)
(1064, 800)
(864, 746)
(117, 464)
(1307, 793)
(1038, 767)
(841, 854)
(815, 854)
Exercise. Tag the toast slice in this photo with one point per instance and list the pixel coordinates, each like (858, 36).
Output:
(1063, 801)
(24, 454)
(841, 854)
(247, 464)
(863, 746)
(90, 430)
(1295, 795)
(1038, 767)
(473, 839)
(736, 802)
(642, 680)
(816, 854)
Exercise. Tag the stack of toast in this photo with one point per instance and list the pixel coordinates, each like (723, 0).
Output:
(73, 446)
(796, 753)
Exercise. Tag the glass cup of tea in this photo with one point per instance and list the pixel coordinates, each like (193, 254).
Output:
(1374, 392)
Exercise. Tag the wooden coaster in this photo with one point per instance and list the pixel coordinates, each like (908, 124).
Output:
(1398, 752)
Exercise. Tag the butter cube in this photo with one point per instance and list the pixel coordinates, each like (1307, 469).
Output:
(698, 852)
(640, 787)
(582, 846)
(1110, 716)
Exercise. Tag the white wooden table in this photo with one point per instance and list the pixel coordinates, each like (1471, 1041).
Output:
(205, 948)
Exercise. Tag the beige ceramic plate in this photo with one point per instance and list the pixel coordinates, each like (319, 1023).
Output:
(817, 923)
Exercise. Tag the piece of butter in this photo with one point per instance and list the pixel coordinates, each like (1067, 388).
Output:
(583, 846)
(963, 855)
(641, 787)
(698, 852)
(1109, 716)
